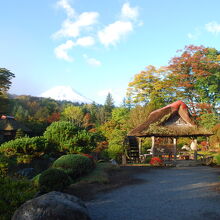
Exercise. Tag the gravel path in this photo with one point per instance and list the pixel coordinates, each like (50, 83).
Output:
(167, 194)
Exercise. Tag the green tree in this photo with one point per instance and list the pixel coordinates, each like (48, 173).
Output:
(195, 74)
(60, 133)
(139, 114)
(150, 86)
(109, 105)
(5, 83)
(209, 120)
(5, 80)
(115, 130)
(20, 113)
(73, 114)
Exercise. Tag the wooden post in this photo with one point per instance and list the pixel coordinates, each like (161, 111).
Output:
(139, 146)
(174, 147)
(153, 145)
(124, 159)
(207, 141)
(195, 151)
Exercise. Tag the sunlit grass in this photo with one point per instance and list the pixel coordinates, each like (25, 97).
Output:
(99, 174)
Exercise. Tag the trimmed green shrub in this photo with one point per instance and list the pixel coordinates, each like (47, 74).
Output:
(83, 142)
(60, 133)
(217, 159)
(70, 138)
(115, 151)
(75, 165)
(148, 159)
(13, 193)
(35, 180)
(4, 163)
(35, 146)
(53, 179)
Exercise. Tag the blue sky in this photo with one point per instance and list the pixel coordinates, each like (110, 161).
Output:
(98, 46)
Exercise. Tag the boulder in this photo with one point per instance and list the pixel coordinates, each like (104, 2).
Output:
(27, 172)
(52, 206)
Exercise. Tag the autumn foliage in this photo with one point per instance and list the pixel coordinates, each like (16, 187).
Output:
(156, 161)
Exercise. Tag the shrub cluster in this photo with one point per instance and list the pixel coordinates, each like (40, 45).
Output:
(13, 193)
(148, 159)
(156, 161)
(25, 146)
(60, 133)
(5, 164)
(69, 138)
(217, 159)
(75, 165)
(53, 179)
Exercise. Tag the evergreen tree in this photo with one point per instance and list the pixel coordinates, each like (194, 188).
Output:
(5, 83)
(109, 103)
(108, 106)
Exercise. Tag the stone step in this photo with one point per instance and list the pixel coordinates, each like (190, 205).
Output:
(183, 163)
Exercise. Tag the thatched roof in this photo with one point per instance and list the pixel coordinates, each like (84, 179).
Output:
(173, 120)
(8, 123)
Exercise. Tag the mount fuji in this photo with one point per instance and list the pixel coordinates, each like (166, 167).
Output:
(65, 93)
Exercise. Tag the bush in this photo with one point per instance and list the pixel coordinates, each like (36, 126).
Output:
(60, 133)
(115, 151)
(53, 179)
(75, 165)
(83, 142)
(5, 164)
(35, 180)
(13, 193)
(26, 146)
(148, 159)
(156, 161)
(91, 158)
(217, 159)
(146, 145)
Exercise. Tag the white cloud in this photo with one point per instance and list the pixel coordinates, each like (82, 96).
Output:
(190, 36)
(111, 34)
(67, 7)
(87, 19)
(213, 27)
(74, 24)
(195, 35)
(85, 41)
(128, 12)
(61, 51)
(92, 61)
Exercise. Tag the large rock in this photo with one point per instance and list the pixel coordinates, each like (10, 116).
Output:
(27, 172)
(52, 206)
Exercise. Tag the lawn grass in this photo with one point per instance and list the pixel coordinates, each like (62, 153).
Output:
(99, 174)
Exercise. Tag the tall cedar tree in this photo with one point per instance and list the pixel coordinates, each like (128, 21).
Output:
(109, 105)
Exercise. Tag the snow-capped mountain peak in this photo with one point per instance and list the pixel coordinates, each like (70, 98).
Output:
(65, 93)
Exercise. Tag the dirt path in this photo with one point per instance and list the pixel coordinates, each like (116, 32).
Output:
(163, 194)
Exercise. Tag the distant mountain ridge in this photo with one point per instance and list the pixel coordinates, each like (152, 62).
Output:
(65, 93)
